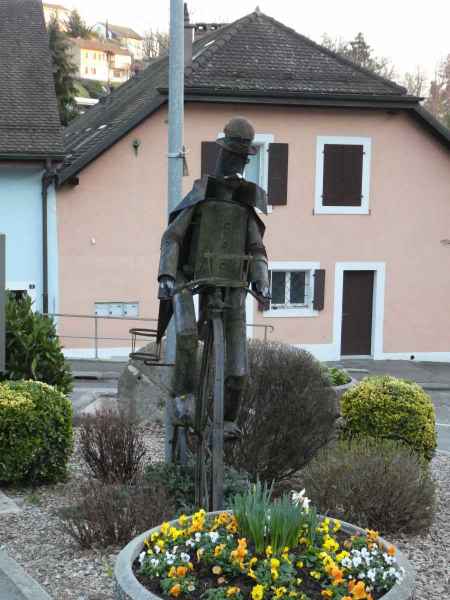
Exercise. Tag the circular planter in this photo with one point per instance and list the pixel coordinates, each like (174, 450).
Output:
(127, 587)
(341, 389)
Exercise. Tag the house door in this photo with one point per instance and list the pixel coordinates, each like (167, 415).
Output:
(357, 305)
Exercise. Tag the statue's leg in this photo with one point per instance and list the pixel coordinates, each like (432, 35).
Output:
(185, 373)
(236, 368)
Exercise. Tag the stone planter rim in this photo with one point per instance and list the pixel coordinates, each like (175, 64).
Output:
(129, 588)
(345, 386)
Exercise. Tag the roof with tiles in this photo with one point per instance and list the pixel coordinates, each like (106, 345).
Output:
(29, 120)
(101, 45)
(255, 56)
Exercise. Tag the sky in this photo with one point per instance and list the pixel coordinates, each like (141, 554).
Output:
(409, 33)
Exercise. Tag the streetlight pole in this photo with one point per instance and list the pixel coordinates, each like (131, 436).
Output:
(175, 153)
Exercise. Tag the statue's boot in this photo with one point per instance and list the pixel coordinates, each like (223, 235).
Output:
(231, 431)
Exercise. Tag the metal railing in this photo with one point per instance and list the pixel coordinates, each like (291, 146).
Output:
(96, 338)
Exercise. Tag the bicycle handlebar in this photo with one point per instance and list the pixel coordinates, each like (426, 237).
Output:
(218, 282)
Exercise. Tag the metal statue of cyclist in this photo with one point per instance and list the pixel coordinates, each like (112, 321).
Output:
(215, 239)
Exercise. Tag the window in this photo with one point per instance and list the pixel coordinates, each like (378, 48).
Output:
(342, 175)
(293, 289)
(117, 309)
(258, 165)
(268, 168)
(289, 289)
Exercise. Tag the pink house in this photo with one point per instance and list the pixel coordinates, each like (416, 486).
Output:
(358, 179)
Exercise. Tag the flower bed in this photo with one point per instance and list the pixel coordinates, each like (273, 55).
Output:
(205, 556)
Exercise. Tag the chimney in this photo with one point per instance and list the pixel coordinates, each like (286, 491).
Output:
(188, 35)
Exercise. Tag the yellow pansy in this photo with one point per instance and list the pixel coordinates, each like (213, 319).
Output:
(257, 592)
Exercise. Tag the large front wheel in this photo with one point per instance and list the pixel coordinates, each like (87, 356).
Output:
(209, 412)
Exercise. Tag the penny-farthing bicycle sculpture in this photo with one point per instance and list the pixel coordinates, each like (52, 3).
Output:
(200, 436)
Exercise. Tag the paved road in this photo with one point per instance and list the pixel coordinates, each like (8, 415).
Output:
(441, 401)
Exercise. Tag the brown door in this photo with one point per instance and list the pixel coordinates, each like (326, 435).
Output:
(357, 304)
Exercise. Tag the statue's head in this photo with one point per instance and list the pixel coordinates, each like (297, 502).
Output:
(236, 146)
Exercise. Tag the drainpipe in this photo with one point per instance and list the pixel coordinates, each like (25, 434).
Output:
(48, 177)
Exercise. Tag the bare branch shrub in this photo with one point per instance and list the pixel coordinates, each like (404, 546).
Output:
(288, 412)
(112, 514)
(377, 484)
(112, 446)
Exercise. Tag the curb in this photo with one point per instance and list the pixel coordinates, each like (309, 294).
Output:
(98, 375)
(27, 588)
(435, 386)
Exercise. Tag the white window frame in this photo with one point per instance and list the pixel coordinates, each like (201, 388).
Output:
(364, 209)
(305, 311)
(262, 140)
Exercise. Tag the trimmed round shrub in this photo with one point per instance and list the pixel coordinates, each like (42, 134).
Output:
(288, 412)
(378, 484)
(390, 408)
(36, 436)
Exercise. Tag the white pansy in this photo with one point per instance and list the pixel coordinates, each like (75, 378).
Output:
(214, 536)
(356, 560)
(198, 537)
(185, 557)
(371, 574)
(190, 542)
(141, 557)
(157, 549)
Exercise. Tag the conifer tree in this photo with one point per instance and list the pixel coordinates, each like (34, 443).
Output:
(76, 26)
(64, 72)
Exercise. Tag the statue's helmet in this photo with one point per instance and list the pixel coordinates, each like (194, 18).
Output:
(239, 134)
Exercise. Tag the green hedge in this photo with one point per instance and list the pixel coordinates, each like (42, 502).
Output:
(33, 350)
(390, 408)
(36, 435)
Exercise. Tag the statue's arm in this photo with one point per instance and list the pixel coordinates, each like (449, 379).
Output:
(259, 270)
(171, 243)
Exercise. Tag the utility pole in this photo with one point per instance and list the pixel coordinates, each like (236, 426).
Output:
(175, 153)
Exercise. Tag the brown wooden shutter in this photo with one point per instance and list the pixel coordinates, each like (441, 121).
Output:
(210, 151)
(342, 175)
(319, 289)
(278, 174)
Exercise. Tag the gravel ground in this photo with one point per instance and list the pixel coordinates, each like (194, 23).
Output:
(430, 553)
(35, 539)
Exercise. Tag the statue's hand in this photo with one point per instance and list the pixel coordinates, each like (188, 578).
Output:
(263, 291)
(166, 287)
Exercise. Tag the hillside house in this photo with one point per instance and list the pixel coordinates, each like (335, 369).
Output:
(358, 179)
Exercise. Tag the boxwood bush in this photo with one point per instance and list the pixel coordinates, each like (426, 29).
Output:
(35, 432)
(389, 408)
(32, 347)
(288, 412)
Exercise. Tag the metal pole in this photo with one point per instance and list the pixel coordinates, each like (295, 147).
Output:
(96, 336)
(175, 152)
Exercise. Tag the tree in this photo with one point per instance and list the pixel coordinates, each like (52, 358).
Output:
(155, 44)
(438, 101)
(64, 72)
(359, 52)
(76, 27)
(415, 82)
